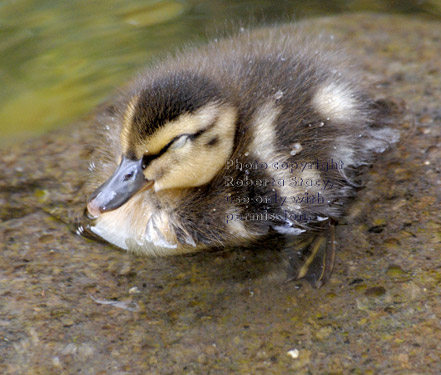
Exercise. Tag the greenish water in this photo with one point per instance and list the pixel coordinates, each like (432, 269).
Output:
(61, 58)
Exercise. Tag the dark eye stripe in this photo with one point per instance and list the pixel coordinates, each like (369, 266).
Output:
(147, 159)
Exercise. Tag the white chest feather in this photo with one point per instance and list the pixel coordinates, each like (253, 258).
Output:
(131, 229)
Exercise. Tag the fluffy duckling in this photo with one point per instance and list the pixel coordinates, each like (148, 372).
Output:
(261, 135)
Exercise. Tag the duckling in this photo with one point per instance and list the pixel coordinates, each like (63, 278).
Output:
(261, 135)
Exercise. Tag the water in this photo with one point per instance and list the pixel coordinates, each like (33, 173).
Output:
(60, 59)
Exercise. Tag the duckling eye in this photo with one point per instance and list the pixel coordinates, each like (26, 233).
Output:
(179, 142)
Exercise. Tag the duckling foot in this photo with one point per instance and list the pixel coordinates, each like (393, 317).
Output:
(312, 258)
(82, 224)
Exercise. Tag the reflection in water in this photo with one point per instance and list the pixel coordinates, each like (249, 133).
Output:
(59, 59)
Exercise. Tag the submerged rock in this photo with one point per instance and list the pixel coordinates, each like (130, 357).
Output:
(64, 299)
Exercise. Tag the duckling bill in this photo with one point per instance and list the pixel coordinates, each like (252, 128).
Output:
(127, 180)
(168, 147)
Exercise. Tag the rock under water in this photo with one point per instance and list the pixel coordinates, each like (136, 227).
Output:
(69, 305)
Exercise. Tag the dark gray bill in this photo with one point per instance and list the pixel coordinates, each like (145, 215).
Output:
(127, 180)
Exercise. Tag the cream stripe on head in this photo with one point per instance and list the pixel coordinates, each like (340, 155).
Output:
(127, 121)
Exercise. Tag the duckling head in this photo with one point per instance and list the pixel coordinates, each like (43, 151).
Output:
(176, 133)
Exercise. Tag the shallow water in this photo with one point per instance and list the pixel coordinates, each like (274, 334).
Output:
(60, 59)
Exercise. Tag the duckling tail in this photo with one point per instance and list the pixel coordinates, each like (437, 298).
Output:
(394, 121)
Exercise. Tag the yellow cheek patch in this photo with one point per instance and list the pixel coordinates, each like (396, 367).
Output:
(197, 163)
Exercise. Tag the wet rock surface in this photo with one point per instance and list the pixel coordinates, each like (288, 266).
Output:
(70, 305)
